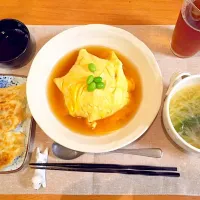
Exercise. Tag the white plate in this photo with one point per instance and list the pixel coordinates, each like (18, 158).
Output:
(102, 35)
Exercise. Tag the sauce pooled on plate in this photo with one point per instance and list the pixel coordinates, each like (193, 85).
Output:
(122, 109)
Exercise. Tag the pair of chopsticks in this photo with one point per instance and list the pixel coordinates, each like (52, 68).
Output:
(109, 168)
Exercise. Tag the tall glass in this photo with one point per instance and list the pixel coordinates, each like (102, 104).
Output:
(186, 36)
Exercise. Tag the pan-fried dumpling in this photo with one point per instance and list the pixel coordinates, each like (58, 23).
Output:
(13, 105)
(11, 146)
(100, 103)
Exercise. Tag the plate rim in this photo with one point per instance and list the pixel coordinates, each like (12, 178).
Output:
(143, 46)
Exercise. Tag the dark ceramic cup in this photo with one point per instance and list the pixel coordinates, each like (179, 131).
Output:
(15, 44)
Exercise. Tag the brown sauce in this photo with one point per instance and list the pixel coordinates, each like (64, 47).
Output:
(79, 125)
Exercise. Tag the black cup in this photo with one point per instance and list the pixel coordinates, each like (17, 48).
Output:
(15, 44)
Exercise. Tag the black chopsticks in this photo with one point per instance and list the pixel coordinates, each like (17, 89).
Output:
(91, 165)
(109, 168)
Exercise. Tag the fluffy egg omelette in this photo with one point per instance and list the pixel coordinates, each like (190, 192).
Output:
(101, 103)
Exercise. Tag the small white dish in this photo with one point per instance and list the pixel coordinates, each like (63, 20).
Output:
(178, 82)
(99, 35)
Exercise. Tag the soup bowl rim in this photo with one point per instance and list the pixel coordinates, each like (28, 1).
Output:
(187, 79)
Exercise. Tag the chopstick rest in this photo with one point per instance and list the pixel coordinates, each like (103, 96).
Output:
(39, 178)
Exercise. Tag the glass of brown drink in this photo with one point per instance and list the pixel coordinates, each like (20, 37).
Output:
(186, 36)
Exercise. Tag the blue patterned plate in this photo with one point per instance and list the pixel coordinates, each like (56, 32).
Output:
(25, 127)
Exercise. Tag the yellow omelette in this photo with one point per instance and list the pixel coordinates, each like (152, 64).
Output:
(100, 103)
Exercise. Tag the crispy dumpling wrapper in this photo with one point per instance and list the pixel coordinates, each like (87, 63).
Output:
(11, 146)
(13, 111)
(13, 107)
(100, 103)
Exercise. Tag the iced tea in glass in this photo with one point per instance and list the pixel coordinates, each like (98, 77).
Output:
(186, 36)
